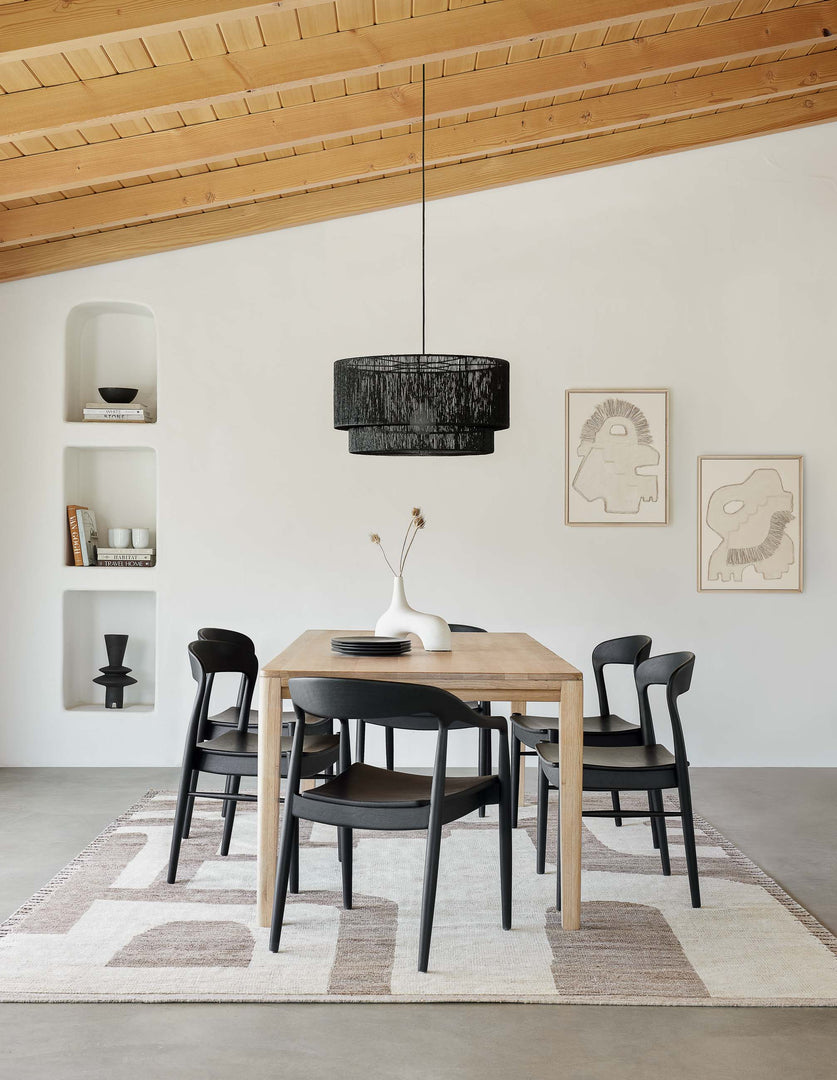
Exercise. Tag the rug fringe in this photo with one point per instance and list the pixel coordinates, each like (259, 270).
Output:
(63, 875)
(769, 884)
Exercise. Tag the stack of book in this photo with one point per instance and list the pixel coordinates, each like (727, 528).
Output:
(106, 556)
(135, 413)
(83, 534)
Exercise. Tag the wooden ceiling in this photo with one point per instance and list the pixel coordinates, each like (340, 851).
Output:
(149, 125)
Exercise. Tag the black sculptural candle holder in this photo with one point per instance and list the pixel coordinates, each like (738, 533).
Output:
(115, 675)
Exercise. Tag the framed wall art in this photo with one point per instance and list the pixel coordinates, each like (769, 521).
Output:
(750, 523)
(616, 458)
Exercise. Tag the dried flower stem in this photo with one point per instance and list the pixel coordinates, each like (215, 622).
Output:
(377, 540)
(414, 516)
(403, 545)
(417, 522)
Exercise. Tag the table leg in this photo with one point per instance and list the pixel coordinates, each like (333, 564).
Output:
(267, 808)
(520, 707)
(571, 740)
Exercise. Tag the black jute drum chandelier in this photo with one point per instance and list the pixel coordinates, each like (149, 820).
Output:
(421, 404)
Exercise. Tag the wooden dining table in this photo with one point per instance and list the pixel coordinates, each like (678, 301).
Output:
(486, 667)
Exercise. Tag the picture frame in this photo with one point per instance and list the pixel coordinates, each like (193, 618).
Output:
(750, 525)
(606, 483)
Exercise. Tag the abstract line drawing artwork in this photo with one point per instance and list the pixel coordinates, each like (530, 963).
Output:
(750, 524)
(617, 457)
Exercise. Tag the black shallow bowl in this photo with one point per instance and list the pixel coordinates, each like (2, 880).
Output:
(118, 395)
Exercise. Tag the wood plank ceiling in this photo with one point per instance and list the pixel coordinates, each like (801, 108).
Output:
(157, 124)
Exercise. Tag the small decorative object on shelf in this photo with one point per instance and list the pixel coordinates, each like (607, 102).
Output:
(115, 556)
(400, 618)
(118, 395)
(119, 537)
(83, 534)
(115, 675)
(136, 413)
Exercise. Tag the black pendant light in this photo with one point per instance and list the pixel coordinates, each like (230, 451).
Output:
(421, 404)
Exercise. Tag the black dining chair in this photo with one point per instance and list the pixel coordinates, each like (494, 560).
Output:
(234, 751)
(228, 718)
(606, 729)
(650, 767)
(484, 736)
(365, 797)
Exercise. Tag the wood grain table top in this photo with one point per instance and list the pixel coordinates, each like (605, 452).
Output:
(499, 661)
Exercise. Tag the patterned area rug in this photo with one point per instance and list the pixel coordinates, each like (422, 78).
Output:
(109, 928)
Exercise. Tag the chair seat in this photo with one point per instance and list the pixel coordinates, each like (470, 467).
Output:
(229, 719)
(366, 785)
(622, 758)
(246, 744)
(593, 725)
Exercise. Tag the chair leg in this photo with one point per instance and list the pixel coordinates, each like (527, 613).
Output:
(229, 820)
(344, 752)
(190, 804)
(283, 871)
(655, 836)
(361, 740)
(227, 791)
(689, 841)
(656, 799)
(389, 741)
(293, 880)
(346, 867)
(505, 856)
(543, 810)
(179, 821)
(617, 806)
(515, 777)
(483, 756)
(558, 856)
(428, 894)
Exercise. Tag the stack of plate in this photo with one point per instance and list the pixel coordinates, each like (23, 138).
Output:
(370, 646)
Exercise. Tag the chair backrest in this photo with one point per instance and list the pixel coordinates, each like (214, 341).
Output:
(389, 704)
(231, 637)
(209, 658)
(674, 671)
(623, 650)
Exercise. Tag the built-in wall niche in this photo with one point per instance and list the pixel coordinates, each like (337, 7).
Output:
(119, 483)
(89, 614)
(109, 343)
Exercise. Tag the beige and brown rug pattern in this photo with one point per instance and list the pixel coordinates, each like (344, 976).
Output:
(109, 928)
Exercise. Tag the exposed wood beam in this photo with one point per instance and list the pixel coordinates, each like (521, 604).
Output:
(380, 109)
(127, 206)
(40, 27)
(313, 60)
(445, 181)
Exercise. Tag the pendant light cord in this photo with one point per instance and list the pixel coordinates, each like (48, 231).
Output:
(423, 215)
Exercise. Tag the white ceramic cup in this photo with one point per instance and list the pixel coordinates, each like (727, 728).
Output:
(119, 538)
(140, 538)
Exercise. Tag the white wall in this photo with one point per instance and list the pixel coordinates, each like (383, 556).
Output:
(709, 272)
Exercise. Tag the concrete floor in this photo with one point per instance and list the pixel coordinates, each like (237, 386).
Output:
(782, 818)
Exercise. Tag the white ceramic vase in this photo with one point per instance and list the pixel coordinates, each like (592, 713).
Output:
(400, 619)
